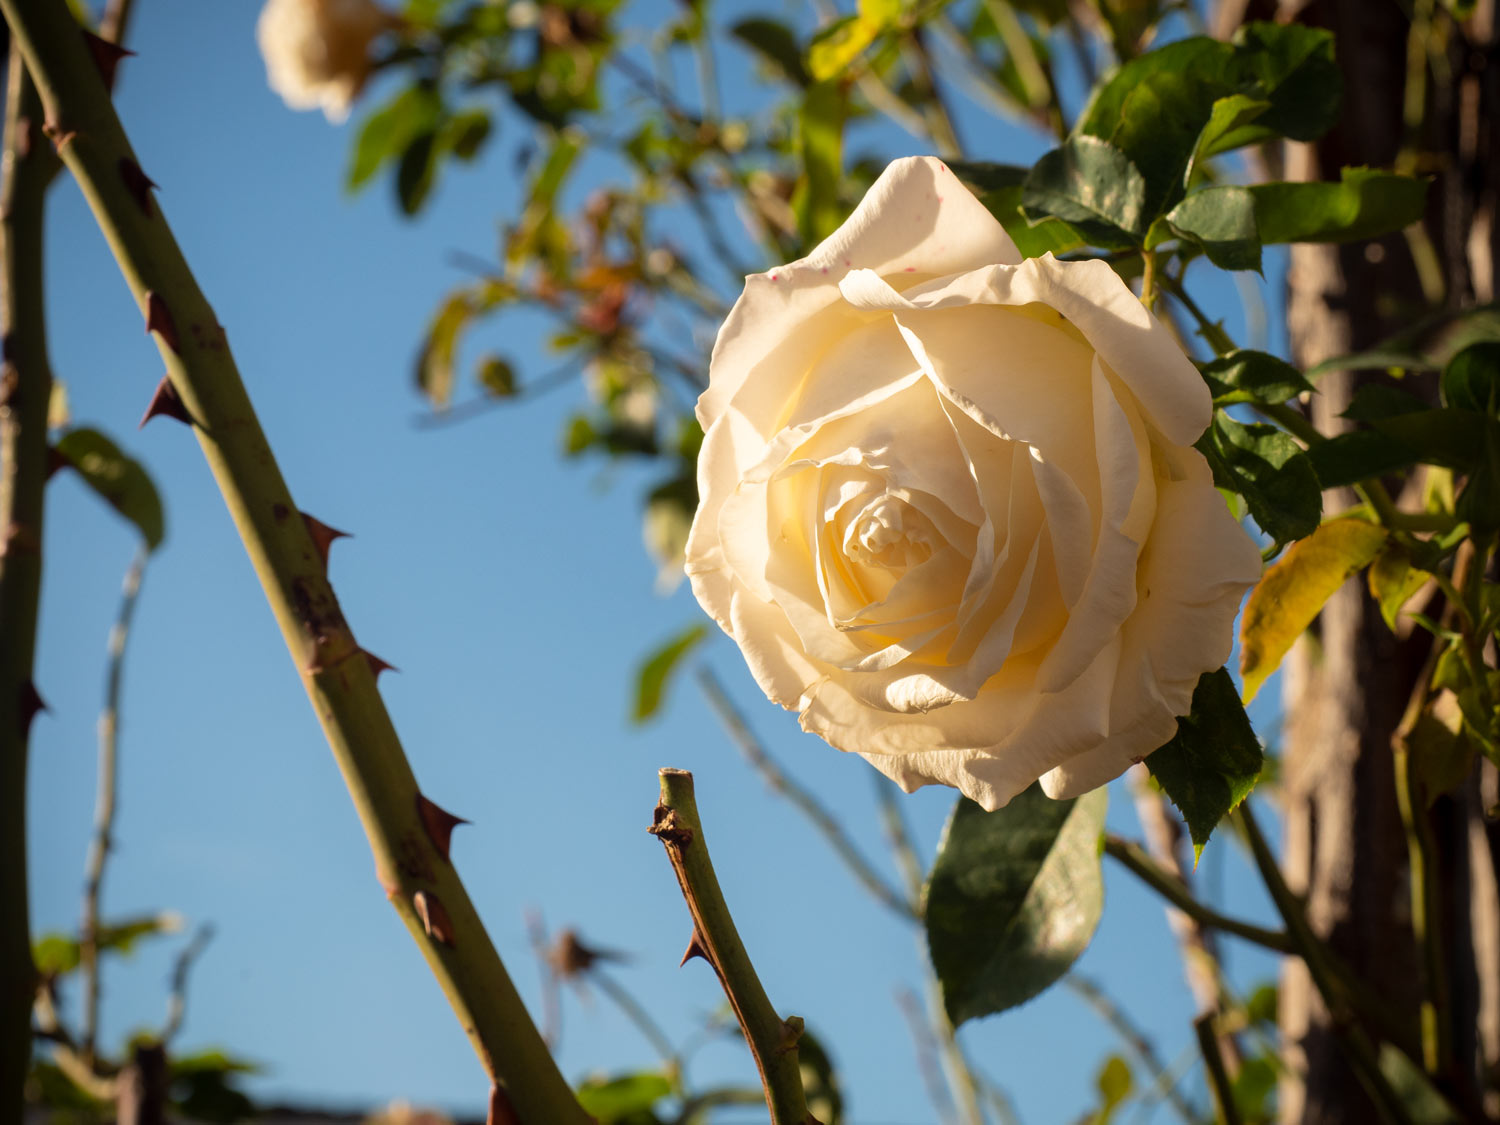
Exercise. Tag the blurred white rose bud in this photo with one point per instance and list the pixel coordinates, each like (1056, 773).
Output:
(317, 52)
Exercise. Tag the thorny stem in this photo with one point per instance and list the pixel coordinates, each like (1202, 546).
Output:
(104, 808)
(819, 817)
(1360, 1051)
(1134, 858)
(1135, 1040)
(1218, 1073)
(772, 1040)
(411, 864)
(25, 387)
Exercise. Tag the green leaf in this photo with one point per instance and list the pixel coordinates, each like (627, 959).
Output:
(435, 364)
(821, 138)
(1163, 115)
(120, 481)
(1222, 221)
(999, 188)
(1270, 471)
(776, 45)
(1213, 761)
(1346, 459)
(464, 133)
(614, 1099)
(820, 1081)
(59, 954)
(497, 377)
(1374, 401)
(1226, 121)
(1471, 380)
(1292, 592)
(1092, 186)
(1294, 67)
(1246, 375)
(1364, 204)
(1013, 898)
(417, 172)
(1253, 1087)
(654, 672)
(1428, 344)
(1421, 1100)
(1442, 754)
(389, 130)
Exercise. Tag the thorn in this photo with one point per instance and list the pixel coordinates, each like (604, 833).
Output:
(106, 57)
(695, 948)
(668, 826)
(159, 319)
(165, 403)
(25, 137)
(31, 702)
(434, 916)
(323, 536)
(439, 823)
(502, 1112)
(137, 183)
(378, 665)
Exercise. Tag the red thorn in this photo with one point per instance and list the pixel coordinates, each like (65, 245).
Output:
(322, 536)
(695, 948)
(137, 183)
(502, 1112)
(25, 137)
(58, 135)
(31, 702)
(106, 57)
(439, 823)
(434, 916)
(378, 665)
(159, 319)
(166, 404)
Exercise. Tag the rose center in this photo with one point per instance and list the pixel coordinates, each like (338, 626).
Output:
(883, 535)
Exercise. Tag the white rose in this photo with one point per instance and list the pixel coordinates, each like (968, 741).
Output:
(317, 52)
(950, 508)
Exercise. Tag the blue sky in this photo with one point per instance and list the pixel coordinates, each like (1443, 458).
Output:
(511, 590)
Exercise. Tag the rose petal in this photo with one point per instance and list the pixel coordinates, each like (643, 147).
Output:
(788, 316)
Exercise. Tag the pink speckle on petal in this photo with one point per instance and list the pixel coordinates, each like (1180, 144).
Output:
(825, 269)
(911, 269)
(940, 199)
(774, 277)
(847, 262)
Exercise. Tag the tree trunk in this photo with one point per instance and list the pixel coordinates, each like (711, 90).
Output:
(1347, 683)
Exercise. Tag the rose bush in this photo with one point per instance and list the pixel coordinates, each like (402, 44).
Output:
(317, 52)
(950, 508)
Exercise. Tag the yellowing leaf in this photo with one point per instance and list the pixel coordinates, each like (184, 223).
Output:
(1291, 593)
(1394, 579)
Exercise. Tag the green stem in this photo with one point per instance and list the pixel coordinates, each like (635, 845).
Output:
(772, 1040)
(1357, 1046)
(800, 797)
(1134, 858)
(104, 808)
(940, 124)
(25, 388)
(411, 860)
(1218, 1074)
